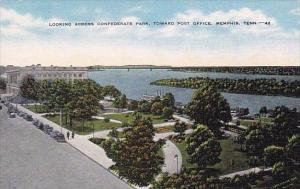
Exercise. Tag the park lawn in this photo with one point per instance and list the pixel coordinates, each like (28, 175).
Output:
(100, 125)
(127, 117)
(230, 151)
(164, 129)
(232, 159)
(264, 121)
(39, 108)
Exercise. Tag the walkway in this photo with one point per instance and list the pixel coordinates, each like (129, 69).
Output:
(80, 142)
(171, 163)
(245, 172)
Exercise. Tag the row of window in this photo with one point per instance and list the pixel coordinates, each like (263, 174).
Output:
(65, 75)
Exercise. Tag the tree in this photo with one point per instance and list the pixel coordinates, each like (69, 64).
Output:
(180, 127)
(2, 84)
(133, 105)
(256, 140)
(144, 106)
(285, 125)
(86, 107)
(293, 148)
(137, 158)
(111, 90)
(202, 147)
(157, 108)
(263, 110)
(121, 101)
(167, 112)
(28, 88)
(273, 154)
(168, 100)
(281, 171)
(208, 107)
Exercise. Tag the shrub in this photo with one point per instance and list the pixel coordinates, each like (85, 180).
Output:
(106, 120)
(97, 141)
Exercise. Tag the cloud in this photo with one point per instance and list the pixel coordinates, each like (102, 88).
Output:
(295, 12)
(137, 9)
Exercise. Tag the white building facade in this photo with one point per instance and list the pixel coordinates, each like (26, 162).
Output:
(15, 77)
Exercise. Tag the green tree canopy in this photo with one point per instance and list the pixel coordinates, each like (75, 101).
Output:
(137, 157)
(157, 108)
(293, 148)
(209, 107)
(202, 147)
(180, 127)
(273, 154)
(168, 100)
(28, 88)
(111, 90)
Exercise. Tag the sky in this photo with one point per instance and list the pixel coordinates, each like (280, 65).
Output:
(27, 38)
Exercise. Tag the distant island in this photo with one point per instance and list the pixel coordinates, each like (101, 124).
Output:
(271, 87)
(265, 70)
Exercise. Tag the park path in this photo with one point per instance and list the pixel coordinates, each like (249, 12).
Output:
(171, 163)
(245, 172)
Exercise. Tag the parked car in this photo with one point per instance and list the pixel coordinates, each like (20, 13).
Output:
(54, 134)
(12, 115)
(35, 121)
(28, 117)
(60, 138)
(0, 107)
(48, 130)
(40, 125)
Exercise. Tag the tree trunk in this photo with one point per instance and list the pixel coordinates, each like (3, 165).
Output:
(71, 123)
(66, 119)
(82, 125)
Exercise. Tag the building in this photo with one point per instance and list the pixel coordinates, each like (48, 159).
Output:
(14, 77)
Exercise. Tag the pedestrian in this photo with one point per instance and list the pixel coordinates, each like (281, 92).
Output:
(73, 134)
(68, 135)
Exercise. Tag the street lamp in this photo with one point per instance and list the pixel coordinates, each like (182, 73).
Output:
(93, 129)
(60, 121)
(176, 156)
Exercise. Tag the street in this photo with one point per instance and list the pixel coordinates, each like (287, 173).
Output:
(30, 159)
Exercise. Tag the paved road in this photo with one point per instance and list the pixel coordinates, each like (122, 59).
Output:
(29, 159)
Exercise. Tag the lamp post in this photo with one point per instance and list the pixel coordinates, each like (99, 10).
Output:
(93, 130)
(60, 120)
(176, 156)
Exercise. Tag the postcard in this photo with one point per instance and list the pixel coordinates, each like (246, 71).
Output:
(149, 94)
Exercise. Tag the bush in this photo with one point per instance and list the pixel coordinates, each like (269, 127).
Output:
(97, 141)
(106, 120)
(125, 124)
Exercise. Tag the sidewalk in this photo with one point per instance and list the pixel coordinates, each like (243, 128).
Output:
(79, 142)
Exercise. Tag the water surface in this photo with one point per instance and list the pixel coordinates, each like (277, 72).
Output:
(136, 82)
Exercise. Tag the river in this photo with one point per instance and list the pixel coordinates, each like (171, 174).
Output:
(136, 82)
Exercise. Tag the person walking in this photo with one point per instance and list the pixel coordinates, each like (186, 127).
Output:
(73, 134)
(68, 135)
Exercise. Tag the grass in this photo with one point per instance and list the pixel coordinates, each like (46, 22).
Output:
(164, 129)
(232, 159)
(230, 152)
(36, 108)
(100, 125)
(263, 120)
(129, 118)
